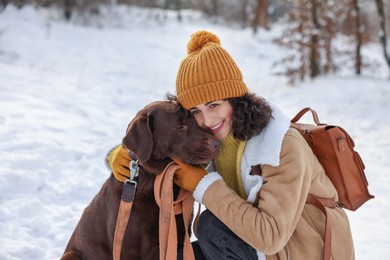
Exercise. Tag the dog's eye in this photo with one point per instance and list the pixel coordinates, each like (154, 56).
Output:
(182, 127)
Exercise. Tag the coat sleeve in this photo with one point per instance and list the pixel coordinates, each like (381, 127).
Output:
(268, 225)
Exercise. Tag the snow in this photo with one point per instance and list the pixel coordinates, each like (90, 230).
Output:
(68, 91)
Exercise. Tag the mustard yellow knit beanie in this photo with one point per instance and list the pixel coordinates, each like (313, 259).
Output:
(207, 73)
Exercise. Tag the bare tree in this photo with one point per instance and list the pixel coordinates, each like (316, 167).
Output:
(68, 6)
(261, 16)
(214, 8)
(358, 36)
(383, 33)
(314, 39)
(302, 39)
(312, 28)
(333, 14)
(178, 9)
(296, 38)
(244, 13)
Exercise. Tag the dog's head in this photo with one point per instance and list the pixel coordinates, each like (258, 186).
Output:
(164, 130)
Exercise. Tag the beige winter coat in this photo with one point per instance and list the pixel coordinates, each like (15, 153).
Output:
(280, 225)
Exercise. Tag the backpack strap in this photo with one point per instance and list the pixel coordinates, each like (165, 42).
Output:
(318, 202)
(321, 203)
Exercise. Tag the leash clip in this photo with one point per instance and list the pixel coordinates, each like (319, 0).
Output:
(134, 169)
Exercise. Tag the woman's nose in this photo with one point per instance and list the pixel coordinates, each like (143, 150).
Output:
(207, 120)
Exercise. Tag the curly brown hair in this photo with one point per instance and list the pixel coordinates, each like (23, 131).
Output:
(251, 114)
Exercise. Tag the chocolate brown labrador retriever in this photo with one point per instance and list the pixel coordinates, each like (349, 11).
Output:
(159, 132)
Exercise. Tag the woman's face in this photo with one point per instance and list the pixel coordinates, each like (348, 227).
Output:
(217, 116)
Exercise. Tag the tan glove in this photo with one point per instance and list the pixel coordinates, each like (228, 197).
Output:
(118, 161)
(188, 176)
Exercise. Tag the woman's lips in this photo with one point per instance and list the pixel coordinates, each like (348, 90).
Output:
(217, 128)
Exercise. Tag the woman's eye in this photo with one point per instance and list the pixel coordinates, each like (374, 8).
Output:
(214, 105)
(194, 112)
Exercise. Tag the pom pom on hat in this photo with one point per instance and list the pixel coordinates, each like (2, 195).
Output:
(200, 39)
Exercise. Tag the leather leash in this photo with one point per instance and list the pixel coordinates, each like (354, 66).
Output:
(163, 188)
(127, 198)
(125, 206)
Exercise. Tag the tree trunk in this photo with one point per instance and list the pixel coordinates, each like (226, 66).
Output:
(178, 10)
(358, 35)
(383, 32)
(244, 13)
(214, 9)
(256, 17)
(314, 56)
(68, 6)
(263, 22)
(261, 15)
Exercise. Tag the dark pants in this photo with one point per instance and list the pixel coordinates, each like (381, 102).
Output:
(217, 241)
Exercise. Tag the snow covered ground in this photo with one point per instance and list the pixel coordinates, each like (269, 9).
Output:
(67, 93)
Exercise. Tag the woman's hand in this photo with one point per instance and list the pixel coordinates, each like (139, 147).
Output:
(118, 161)
(188, 176)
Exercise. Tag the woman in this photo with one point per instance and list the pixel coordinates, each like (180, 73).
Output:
(255, 190)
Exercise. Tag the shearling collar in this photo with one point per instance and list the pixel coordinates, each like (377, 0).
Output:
(265, 148)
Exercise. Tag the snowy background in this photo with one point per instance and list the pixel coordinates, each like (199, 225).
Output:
(67, 93)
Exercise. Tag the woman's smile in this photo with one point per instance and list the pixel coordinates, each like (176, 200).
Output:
(217, 128)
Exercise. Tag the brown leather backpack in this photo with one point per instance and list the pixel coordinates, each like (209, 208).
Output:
(334, 149)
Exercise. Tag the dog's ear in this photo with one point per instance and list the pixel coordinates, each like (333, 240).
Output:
(139, 137)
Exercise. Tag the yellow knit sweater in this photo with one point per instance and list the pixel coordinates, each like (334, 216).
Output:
(228, 162)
